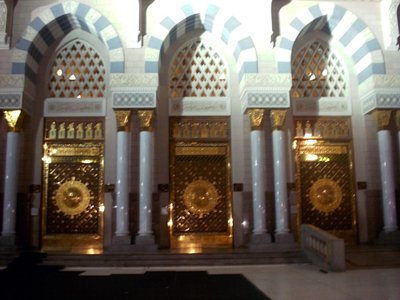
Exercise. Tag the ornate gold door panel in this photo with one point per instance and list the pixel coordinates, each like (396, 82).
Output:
(325, 186)
(201, 215)
(72, 217)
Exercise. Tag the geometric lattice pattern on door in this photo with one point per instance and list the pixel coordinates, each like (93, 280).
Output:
(206, 173)
(87, 221)
(197, 71)
(77, 72)
(73, 180)
(325, 187)
(317, 72)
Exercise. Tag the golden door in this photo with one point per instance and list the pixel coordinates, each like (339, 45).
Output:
(325, 187)
(72, 218)
(200, 196)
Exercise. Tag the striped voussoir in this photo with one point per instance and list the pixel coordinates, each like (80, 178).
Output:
(342, 26)
(212, 19)
(56, 22)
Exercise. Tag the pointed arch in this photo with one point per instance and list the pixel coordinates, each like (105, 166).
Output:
(54, 23)
(345, 28)
(209, 18)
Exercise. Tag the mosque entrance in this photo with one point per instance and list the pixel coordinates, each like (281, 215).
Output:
(72, 206)
(200, 178)
(324, 177)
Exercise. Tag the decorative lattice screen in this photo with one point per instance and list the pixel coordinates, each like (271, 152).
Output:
(197, 71)
(77, 72)
(317, 72)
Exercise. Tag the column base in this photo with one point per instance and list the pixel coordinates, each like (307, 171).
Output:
(389, 238)
(284, 238)
(120, 244)
(145, 243)
(259, 241)
(8, 244)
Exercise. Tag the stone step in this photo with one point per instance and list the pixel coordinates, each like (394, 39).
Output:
(175, 259)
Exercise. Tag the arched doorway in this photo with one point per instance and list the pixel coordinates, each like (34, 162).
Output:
(200, 154)
(73, 151)
(323, 140)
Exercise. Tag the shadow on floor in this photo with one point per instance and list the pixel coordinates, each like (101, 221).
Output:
(25, 278)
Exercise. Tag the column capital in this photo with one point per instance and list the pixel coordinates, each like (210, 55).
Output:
(382, 118)
(146, 118)
(123, 118)
(256, 116)
(14, 119)
(398, 120)
(278, 117)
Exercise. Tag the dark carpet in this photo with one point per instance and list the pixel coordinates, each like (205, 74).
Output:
(25, 279)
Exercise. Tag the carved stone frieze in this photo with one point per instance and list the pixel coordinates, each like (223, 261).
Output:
(118, 81)
(134, 99)
(19, 55)
(10, 100)
(266, 98)
(12, 81)
(255, 99)
(265, 91)
(199, 106)
(71, 107)
(388, 100)
(386, 81)
(3, 16)
(322, 106)
(381, 100)
(270, 80)
(4, 43)
(380, 92)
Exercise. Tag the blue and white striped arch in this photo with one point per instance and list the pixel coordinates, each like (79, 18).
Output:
(344, 27)
(56, 22)
(212, 19)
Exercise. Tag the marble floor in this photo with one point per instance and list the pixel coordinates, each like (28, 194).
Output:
(293, 281)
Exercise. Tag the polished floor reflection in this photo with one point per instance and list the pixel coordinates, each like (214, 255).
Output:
(294, 281)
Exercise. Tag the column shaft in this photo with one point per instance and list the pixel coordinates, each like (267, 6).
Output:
(122, 233)
(257, 144)
(145, 184)
(14, 120)
(280, 178)
(11, 184)
(145, 234)
(387, 181)
(258, 178)
(121, 185)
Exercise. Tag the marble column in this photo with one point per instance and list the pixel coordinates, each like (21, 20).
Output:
(122, 234)
(14, 120)
(257, 142)
(145, 235)
(387, 172)
(282, 231)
